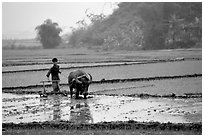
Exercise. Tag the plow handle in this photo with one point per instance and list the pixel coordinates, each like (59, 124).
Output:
(44, 91)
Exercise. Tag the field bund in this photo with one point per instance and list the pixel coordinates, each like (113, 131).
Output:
(109, 72)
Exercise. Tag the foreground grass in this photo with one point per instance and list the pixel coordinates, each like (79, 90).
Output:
(107, 128)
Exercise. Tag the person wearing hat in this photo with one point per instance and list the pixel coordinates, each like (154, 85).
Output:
(54, 71)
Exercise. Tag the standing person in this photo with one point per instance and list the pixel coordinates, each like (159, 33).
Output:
(54, 71)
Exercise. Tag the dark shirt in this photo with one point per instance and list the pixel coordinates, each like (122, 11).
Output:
(54, 71)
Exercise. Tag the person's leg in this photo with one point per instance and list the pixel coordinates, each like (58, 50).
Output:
(55, 86)
(58, 89)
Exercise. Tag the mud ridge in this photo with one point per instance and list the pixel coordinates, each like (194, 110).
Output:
(147, 79)
(124, 88)
(71, 62)
(17, 99)
(141, 95)
(103, 61)
(144, 95)
(6, 89)
(105, 65)
(129, 125)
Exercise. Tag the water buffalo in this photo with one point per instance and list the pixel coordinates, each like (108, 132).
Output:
(80, 81)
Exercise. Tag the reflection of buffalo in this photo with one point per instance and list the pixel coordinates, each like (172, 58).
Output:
(79, 80)
(80, 113)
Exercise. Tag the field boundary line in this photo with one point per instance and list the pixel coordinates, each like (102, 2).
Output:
(111, 81)
(125, 63)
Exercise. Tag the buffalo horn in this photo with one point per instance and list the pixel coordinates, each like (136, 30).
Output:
(78, 81)
(90, 79)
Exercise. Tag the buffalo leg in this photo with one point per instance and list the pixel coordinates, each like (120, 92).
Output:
(77, 94)
(85, 95)
(71, 91)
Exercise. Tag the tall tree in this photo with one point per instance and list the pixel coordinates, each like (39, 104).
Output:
(48, 34)
(145, 25)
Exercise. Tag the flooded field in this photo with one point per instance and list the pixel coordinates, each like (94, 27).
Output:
(164, 86)
(30, 108)
(109, 72)
(111, 102)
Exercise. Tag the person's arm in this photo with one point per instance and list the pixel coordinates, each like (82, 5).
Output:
(59, 70)
(48, 74)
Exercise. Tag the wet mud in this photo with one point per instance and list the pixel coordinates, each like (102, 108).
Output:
(158, 91)
(101, 112)
(109, 101)
(99, 108)
(115, 128)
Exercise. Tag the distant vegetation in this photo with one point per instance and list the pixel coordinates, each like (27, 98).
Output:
(132, 26)
(21, 44)
(142, 25)
(48, 34)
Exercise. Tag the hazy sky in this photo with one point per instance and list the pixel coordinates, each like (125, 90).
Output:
(19, 19)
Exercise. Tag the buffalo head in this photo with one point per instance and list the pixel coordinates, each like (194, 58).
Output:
(83, 82)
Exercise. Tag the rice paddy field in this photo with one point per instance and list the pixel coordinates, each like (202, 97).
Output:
(134, 92)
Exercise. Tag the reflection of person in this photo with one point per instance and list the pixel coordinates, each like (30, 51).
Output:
(54, 71)
(53, 103)
(80, 113)
(56, 108)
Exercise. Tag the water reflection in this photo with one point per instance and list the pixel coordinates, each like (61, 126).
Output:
(51, 107)
(80, 112)
(100, 109)
(43, 102)
(56, 108)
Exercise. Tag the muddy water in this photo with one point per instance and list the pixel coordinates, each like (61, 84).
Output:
(30, 108)
(160, 87)
(116, 72)
(21, 68)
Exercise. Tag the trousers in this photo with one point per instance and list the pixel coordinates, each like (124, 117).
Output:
(55, 86)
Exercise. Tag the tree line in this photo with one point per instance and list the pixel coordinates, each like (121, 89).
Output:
(142, 25)
(133, 26)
